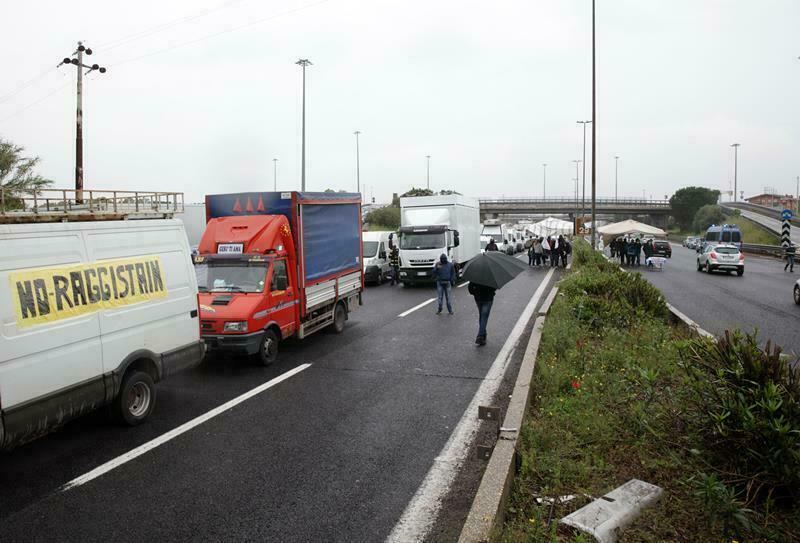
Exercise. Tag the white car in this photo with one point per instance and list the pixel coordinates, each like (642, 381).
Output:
(721, 257)
(797, 292)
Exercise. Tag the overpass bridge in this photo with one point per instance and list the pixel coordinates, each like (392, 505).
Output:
(493, 207)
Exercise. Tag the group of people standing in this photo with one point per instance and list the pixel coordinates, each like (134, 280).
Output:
(629, 250)
(542, 250)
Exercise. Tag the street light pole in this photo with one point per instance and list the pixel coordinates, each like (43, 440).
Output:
(358, 165)
(616, 178)
(577, 178)
(429, 171)
(735, 168)
(275, 175)
(303, 62)
(544, 181)
(594, 139)
(583, 193)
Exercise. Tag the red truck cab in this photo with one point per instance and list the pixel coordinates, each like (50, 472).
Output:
(254, 283)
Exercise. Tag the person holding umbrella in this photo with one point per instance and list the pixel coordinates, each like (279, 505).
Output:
(486, 273)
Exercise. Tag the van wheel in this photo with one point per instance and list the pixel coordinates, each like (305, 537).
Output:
(339, 316)
(136, 399)
(797, 295)
(268, 352)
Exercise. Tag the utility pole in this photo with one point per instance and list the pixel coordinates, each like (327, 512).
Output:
(735, 168)
(594, 139)
(275, 175)
(358, 165)
(544, 181)
(616, 178)
(78, 63)
(583, 193)
(429, 171)
(797, 197)
(303, 62)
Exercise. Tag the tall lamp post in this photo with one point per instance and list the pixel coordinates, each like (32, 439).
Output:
(303, 62)
(275, 174)
(544, 181)
(358, 164)
(583, 193)
(735, 168)
(594, 139)
(616, 178)
(428, 176)
(577, 178)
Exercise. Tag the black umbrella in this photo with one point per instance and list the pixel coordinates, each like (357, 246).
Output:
(493, 269)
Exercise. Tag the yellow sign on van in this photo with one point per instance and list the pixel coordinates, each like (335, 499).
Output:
(43, 295)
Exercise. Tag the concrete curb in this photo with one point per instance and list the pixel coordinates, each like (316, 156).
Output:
(679, 318)
(488, 507)
(545, 307)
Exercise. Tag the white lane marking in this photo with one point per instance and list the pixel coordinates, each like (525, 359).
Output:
(175, 432)
(423, 304)
(463, 284)
(423, 509)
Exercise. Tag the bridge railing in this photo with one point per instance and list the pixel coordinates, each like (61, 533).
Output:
(627, 202)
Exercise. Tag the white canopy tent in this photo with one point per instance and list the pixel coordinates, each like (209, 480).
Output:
(550, 227)
(614, 230)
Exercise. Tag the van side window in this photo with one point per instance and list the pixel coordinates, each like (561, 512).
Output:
(712, 236)
(278, 270)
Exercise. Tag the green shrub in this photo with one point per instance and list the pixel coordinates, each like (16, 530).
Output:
(744, 403)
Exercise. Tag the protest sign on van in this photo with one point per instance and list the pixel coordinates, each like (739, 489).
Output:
(44, 295)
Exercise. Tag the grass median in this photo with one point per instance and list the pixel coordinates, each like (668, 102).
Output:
(619, 393)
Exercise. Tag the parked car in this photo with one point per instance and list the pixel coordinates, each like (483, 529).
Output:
(376, 246)
(797, 292)
(662, 248)
(721, 257)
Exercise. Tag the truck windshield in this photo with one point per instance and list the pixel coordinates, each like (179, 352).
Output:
(230, 277)
(370, 248)
(422, 241)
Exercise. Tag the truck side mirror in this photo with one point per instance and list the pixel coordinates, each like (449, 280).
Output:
(455, 238)
(391, 241)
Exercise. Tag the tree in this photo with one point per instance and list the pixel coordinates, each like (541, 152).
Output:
(17, 175)
(444, 192)
(417, 192)
(688, 200)
(706, 216)
(388, 217)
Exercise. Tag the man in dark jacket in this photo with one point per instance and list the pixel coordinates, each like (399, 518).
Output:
(445, 276)
(484, 297)
(394, 264)
(491, 246)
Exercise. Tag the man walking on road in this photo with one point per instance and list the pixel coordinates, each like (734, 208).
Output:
(790, 252)
(445, 276)
(484, 297)
(491, 246)
(394, 263)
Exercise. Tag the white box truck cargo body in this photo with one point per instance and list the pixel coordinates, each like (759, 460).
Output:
(433, 225)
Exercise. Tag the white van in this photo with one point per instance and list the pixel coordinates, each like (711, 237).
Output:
(91, 313)
(376, 255)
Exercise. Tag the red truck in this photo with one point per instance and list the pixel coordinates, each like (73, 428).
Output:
(273, 265)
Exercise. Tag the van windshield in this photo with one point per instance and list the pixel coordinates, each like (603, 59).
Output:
(422, 241)
(370, 248)
(230, 276)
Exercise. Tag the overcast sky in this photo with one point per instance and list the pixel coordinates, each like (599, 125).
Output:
(491, 90)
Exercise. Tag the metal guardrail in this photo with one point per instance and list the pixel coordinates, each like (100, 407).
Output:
(33, 205)
(771, 250)
(599, 201)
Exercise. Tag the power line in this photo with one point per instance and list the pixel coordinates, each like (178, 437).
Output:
(113, 44)
(220, 33)
(22, 86)
(42, 99)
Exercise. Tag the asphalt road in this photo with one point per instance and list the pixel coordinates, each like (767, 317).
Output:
(332, 453)
(773, 223)
(761, 298)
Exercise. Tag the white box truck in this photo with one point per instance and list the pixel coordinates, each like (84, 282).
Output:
(94, 310)
(434, 225)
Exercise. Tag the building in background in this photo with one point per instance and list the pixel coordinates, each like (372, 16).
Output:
(784, 201)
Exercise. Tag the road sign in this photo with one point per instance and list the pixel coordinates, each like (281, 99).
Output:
(786, 239)
(786, 214)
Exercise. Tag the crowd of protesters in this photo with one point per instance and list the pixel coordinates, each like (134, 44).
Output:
(629, 250)
(548, 251)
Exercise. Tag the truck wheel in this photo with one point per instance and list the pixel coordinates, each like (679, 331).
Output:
(339, 316)
(136, 398)
(268, 352)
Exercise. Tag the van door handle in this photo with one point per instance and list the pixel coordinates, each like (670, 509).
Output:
(193, 314)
